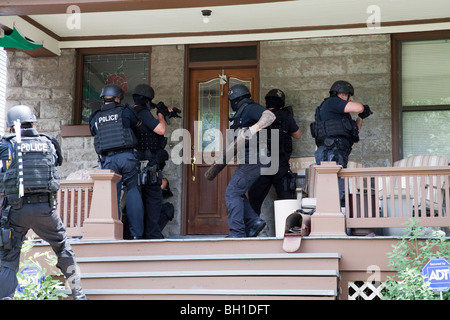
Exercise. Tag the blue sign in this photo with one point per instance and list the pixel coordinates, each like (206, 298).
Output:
(437, 273)
(31, 276)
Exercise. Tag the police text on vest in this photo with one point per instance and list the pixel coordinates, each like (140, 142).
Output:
(109, 117)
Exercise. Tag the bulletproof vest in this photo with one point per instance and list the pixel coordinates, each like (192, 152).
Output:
(147, 139)
(111, 133)
(236, 119)
(281, 123)
(344, 127)
(39, 172)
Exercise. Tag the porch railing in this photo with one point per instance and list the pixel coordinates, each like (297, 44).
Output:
(388, 197)
(380, 197)
(74, 200)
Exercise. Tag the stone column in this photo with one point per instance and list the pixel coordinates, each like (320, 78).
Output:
(103, 222)
(328, 219)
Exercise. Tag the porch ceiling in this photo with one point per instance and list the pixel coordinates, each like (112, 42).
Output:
(152, 22)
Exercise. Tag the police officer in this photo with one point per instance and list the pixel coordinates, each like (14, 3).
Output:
(288, 129)
(250, 117)
(334, 129)
(151, 144)
(33, 164)
(115, 142)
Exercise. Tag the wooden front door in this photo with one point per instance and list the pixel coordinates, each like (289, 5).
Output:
(209, 111)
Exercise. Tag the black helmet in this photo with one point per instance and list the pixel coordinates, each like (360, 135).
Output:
(276, 93)
(144, 90)
(112, 90)
(342, 87)
(20, 112)
(238, 91)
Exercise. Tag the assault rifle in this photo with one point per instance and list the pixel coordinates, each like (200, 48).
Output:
(164, 110)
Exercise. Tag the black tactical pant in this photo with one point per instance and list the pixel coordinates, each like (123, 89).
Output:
(335, 150)
(152, 196)
(261, 188)
(47, 224)
(240, 213)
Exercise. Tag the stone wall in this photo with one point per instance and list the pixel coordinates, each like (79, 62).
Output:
(47, 85)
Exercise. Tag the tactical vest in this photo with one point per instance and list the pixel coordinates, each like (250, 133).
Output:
(111, 133)
(39, 172)
(345, 127)
(147, 139)
(236, 120)
(281, 123)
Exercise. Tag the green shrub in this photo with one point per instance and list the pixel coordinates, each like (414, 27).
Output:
(38, 286)
(408, 258)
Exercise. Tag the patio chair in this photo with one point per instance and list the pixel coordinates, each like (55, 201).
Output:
(431, 187)
(412, 196)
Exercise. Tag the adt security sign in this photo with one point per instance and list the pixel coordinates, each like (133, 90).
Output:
(437, 272)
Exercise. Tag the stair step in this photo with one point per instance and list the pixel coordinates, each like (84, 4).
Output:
(215, 273)
(212, 257)
(206, 262)
(208, 293)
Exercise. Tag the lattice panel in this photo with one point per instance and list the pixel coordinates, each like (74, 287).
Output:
(363, 290)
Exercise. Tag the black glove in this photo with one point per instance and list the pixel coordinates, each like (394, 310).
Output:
(161, 108)
(367, 112)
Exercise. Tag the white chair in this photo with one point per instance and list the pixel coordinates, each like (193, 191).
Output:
(422, 197)
(431, 185)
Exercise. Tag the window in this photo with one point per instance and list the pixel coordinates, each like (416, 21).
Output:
(423, 97)
(2, 88)
(197, 54)
(96, 68)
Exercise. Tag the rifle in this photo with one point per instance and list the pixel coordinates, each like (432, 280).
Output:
(19, 156)
(164, 110)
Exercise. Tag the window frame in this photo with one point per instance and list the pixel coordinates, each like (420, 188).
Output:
(396, 85)
(78, 129)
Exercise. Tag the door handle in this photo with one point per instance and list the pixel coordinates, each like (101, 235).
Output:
(193, 168)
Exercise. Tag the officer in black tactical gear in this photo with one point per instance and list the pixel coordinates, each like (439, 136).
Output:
(151, 144)
(288, 129)
(250, 117)
(334, 129)
(113, 127)
(28, 185)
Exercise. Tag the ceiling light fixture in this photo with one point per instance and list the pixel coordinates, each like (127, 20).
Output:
(206, 14)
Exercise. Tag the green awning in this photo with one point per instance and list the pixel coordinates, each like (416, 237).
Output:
(13, 39)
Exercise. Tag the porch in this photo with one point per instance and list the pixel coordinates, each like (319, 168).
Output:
(328, 263)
